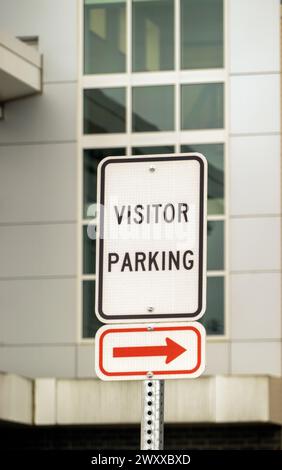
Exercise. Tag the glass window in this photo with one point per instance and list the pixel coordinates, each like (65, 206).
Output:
(104, 110)
(152, 150)
(90, 321)
(202, 106)
(201, 34)
(153, 108)
(89, 249)
(214, 154)
(213, 319)
(215, 245)
(104, 36)
(152, 35)
(91, 158)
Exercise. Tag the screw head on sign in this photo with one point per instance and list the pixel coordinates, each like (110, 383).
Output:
(150, 309)
(150, 375)
(150, 328)
(152, 168)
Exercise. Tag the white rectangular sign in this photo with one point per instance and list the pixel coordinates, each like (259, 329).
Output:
(159, 351)
(151, 247)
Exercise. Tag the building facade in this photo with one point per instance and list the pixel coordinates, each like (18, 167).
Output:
(137, 77)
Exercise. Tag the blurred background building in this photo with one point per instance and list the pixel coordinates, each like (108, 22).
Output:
(80, 80)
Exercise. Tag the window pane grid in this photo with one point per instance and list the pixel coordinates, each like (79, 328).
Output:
(127, 117)
(107, 110)
(146, 36)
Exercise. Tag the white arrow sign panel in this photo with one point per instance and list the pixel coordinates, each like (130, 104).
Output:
(160, 351)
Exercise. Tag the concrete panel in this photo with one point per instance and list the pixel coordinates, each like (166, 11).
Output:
(38, 250)
(43, 118)
(38, 361)
(255, 159)
(38, 311)
(97, 402)
(189, 401)
(38, 183)
(85, 361)
(217, 399)
(255, 244)
(256, 306)
(254, 104)
(217, 358)
(256, 358)
(56, 24)
(16, 399)
(240, 399)
(45, 401)
(275, 401)
(254, 35)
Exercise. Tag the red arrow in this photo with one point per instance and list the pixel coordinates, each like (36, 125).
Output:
(171, 350)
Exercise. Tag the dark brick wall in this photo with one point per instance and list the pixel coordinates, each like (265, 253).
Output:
(236, 437)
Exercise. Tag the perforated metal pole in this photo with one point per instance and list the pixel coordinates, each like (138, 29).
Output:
(152, 425)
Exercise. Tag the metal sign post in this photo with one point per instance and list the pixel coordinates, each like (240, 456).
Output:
(152, 424)
(151, 274)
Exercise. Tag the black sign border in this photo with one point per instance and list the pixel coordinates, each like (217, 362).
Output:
(152, 316)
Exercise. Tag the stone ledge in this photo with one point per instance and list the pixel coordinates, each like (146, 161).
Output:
(218, 399)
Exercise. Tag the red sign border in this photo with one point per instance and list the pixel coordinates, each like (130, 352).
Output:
(155, 372)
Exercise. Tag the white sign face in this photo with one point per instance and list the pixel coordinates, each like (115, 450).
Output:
(159, 351)
(151, 248)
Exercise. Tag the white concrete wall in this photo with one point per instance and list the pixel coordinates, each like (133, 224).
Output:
(212, 399)
(16, 399)
(38, 197)
(255, 187)
(38, 200)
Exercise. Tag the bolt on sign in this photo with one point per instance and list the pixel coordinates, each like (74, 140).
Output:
(151, 245)
(158, 351)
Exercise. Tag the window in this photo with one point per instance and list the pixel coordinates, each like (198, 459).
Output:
(213, 319)
(104, 36)
(152, 35)
(90, 323)
(214, 154)
(201, 34)
(215, 248)
(202, 106)
(89, 249)
(152, 108)
(149, 89)
(153, 150)
(104, 110)
(91, 159)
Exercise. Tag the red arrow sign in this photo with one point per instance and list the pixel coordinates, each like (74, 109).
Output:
(128, 352)
(171, 350)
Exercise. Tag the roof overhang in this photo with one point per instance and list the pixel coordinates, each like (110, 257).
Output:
(20, 69)
(218, 399)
